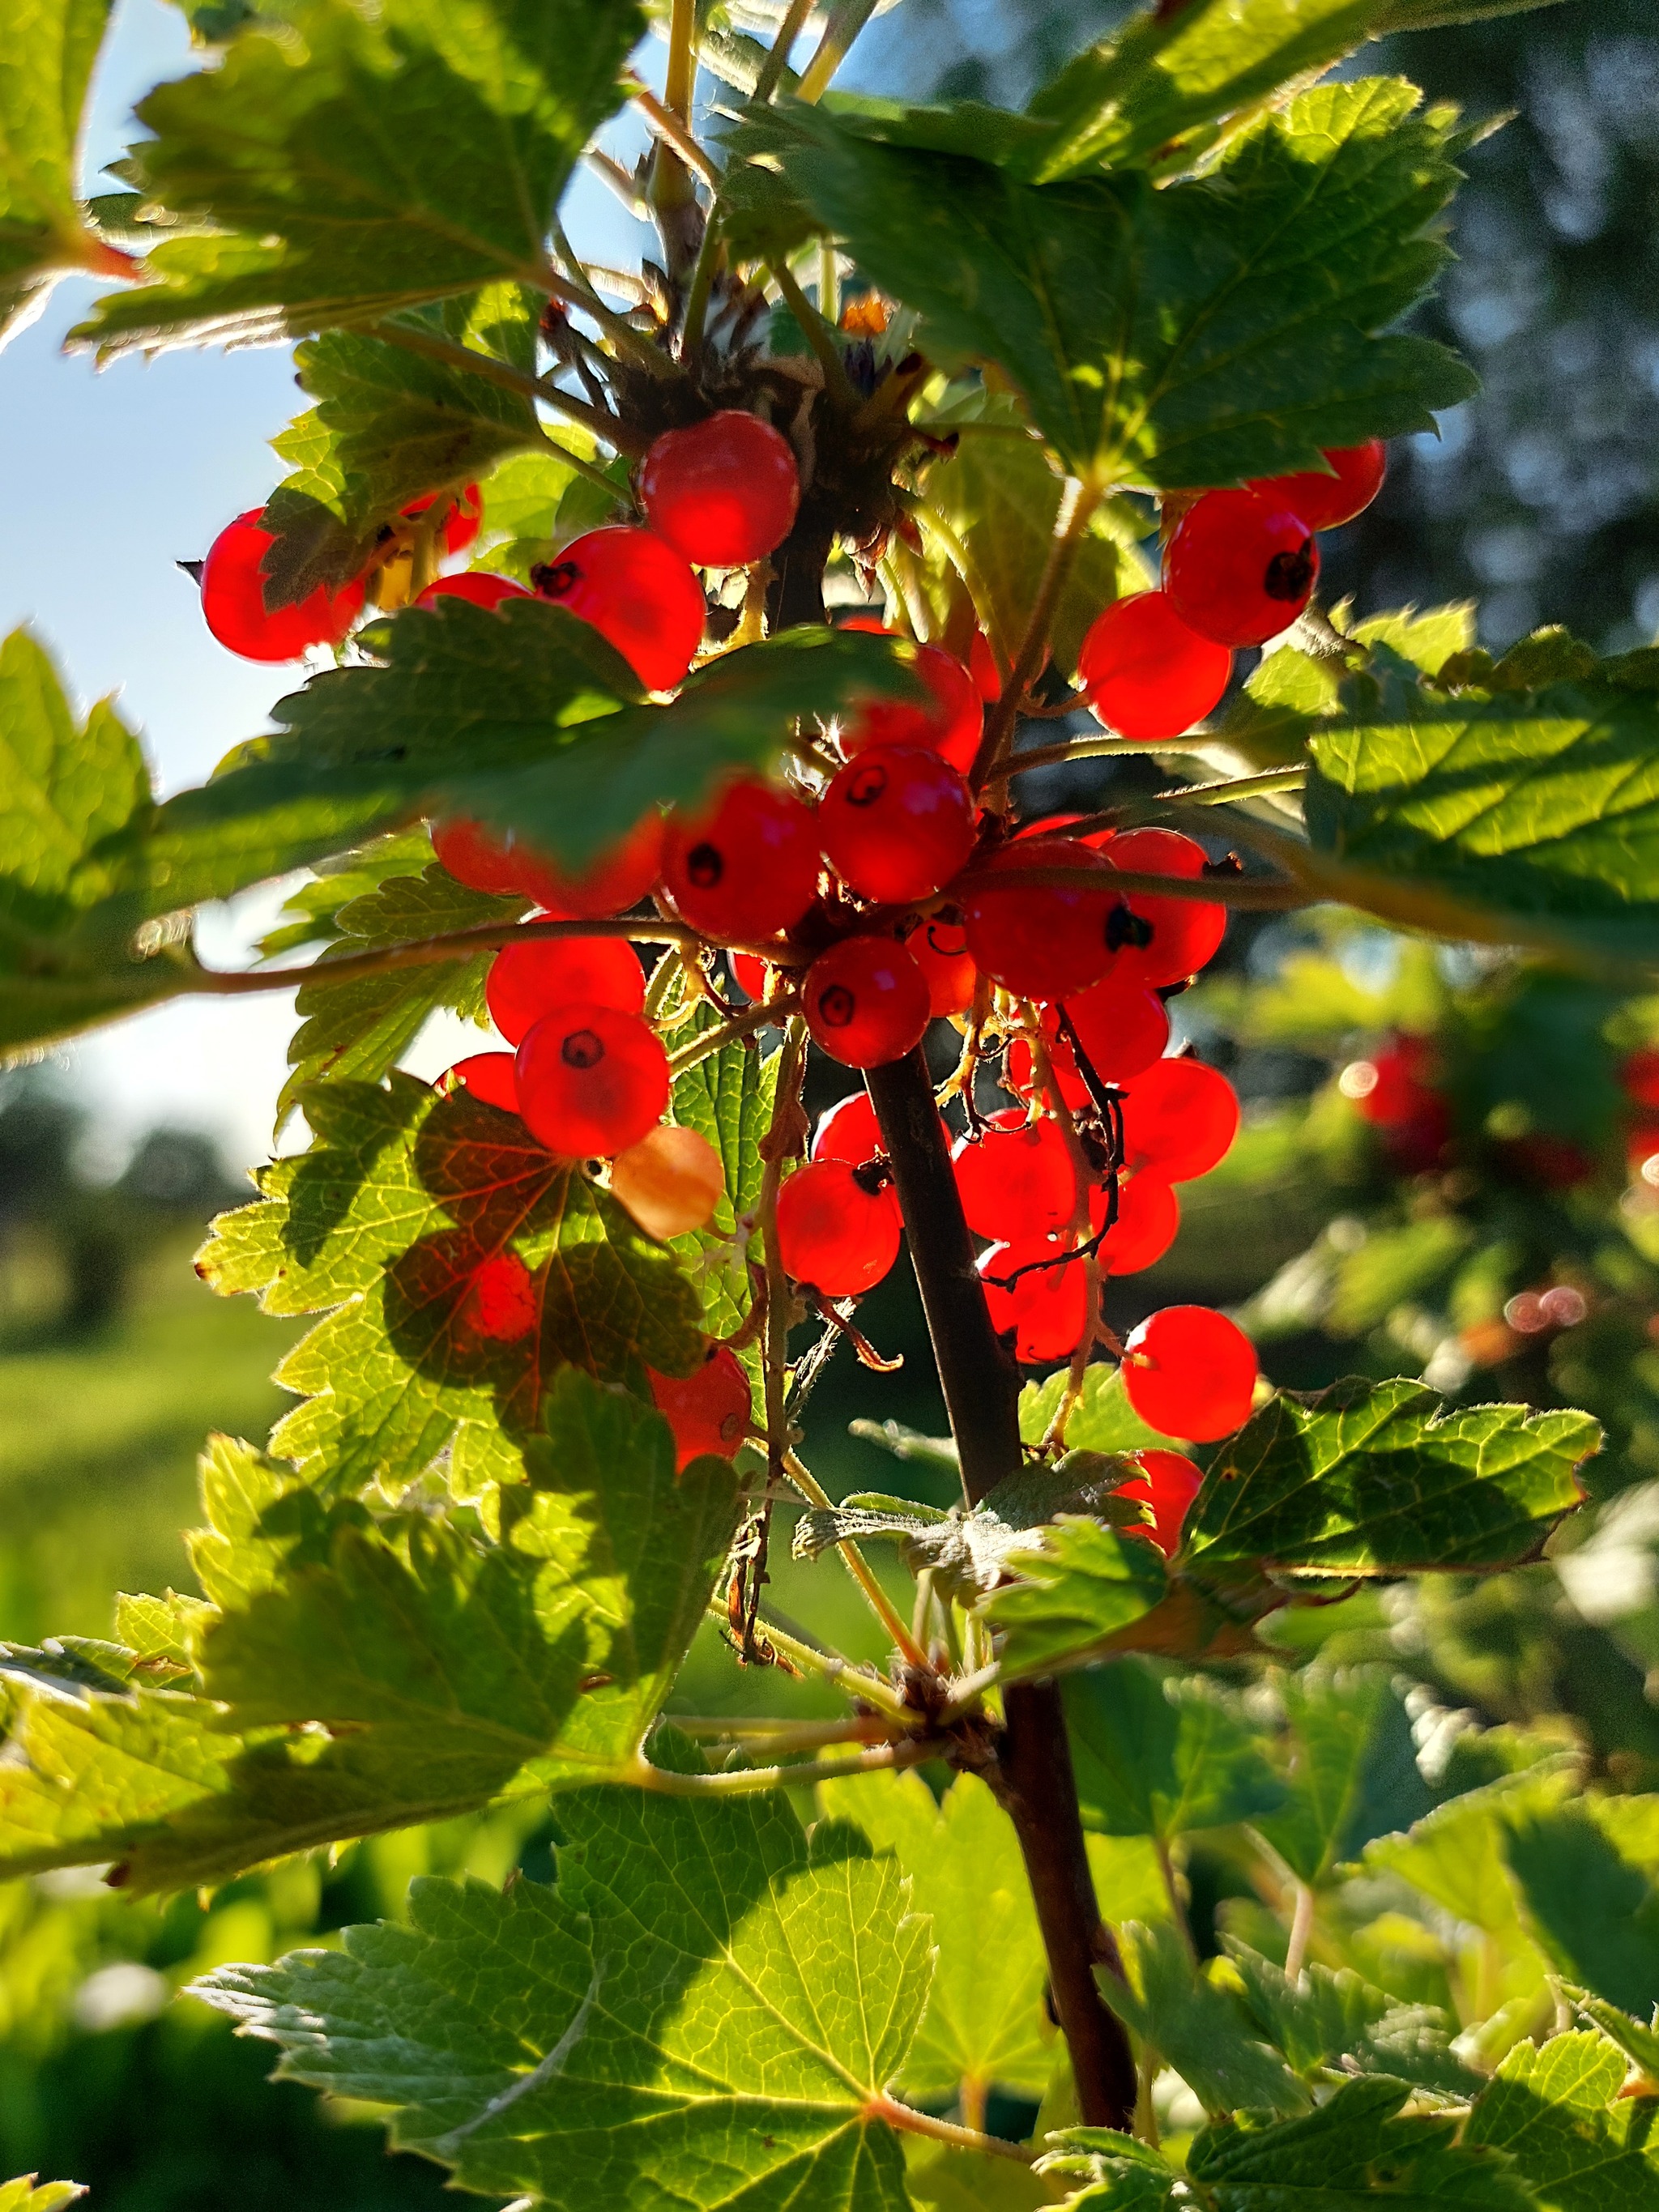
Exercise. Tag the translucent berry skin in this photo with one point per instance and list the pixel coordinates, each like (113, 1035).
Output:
(940, 948)
(1190, 1372)
(591, 1081)
(1168, 1482)
(747, 868)
(1324, 502)
(724, 492)
(833, 1232)
(234, 599)
(709, 1412)
(488, 1076)
(618, 878)
(750, 973)
(1016, 1180)
(848, 1132)
(1179, 1119)
(1239, 569)
(866, 1002)
(1187, 933)
(1038, 939)
(897, 823)
(528, 981)
(1148, 1218)
(1121, 1026)
(501, 1302)
(461, 524)
(637, 593)
(982, 668)
(951, 723)
(476, 586)
(1047, 1310)
(1148, 675)
(671, 1181)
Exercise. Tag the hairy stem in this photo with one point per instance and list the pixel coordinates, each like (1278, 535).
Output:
(751, 1781)
(857, 1565)
(908, 2121)
(1077, 505)
(859, 1683)
(783, 46)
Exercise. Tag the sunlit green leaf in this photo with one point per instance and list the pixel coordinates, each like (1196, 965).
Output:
(50, 49)
(1557, 2114)
(1160, 1756)
(1326, 2016)
(1594, 1906)
(1195, 2027)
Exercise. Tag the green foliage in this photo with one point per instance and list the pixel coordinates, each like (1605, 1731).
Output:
(27, 2194)
(51, 45)
(1340, 1727)
(728, 1097)
(1159, 1757)
(1331, 2020)
(1079, 1589)
(1557, 2112)
(1171, 2004)
(1587, 1880)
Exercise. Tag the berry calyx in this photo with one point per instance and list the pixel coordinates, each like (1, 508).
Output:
(234, 599)
(1148, 1218)
(1179, 1119)
(1015, 1179)
(1238, 568)
(866, 1002)
(1324, 502)
(1186, 933)
(1046, 1309)
(849, 1131)
(1147, 674)
(1168, 1482)
(897, 823)
(637, 593)
(530, 980)
(1040, 940)
(724, 492)
(950, 723)
(746, 867)
(838, 1227)
(501, 1302)
(1190, 1372)
(476, 586)
(591, 1080)
(671, 1181)
(940, 948)
(486, 1076)
(709, 1412)
(462, 523)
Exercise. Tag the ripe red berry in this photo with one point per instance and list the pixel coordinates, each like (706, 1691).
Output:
(1324, 502)
(838, 1227)
(1048, 1310)
(1186, 933)
(746, 867)
(461, 524)
(1121, 1026)
(618, 878)
(1639, 1076)
(500, 1302)
(1190, 1372)
(982, 668)
(940, 948)
(637, 593)
(1239, 569)
(591, 1081)
(866, 1002)
(1179, 1119)
(234, 599)
(709, 1412)
(1168, 1482)
(476, 859)
(1039, 939)
(950, 724)
(487, 1076)
(897, 823)
(1016, 1180)
(723, 493)
(671, 1181)
(1148, 1217)
(529, 980)
(476, 586)
(1145, 673)
(848, 1131)
(1392, 1085)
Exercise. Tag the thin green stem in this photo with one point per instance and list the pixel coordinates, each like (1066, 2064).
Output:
(703, 271)
(847, 20)
(781, 1736)
(596, 477)
(908, 2121)
(1239, 786)
(1172, 1891)
(773, 1013)
(579, 293)
(857, 1565)
(602, 425)
(751, 1781)
(817, 333)
(1077, 506)
(681, 70)
(672, 130)
(861, 1684)
(613, 173)
(431, 951)
(783, 46)
(1302, 1922)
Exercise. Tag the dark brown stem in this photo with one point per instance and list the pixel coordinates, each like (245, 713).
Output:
(1035, 1780)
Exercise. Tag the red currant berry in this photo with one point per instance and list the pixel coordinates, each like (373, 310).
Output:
(671, 1181)
(709, 1412)
(838, 1227)
(1015, 1180)
(1391, 1087)
(474, 858)
(940, 948)
(1148, 1216)
(461, 524)
(1168, 1482)
(982, 668)
(1145, 673)
(1639, 1076)
(1186, 932)
(723, 493)
(897, 823)
(1040, 940)
(1190, 1372)
(591, 1081)
(1324, 502)
(751, 974)
(476, 586)
(1239, 569)
(747, 867)
(487, 1076)
(234, 599)
(1179, 1119)
(866, 1002)
(950, 724)
(1019, 1072)
(1121, 1027)
(500, 1302)
(638, 594)
(1048, 1310)
(848, 1132)
(529, 980)
(617, 878)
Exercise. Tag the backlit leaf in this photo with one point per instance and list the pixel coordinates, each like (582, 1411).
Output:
(1341, 1725)
(1594, 1906)
(50, 49)
(1557, 2112)
(1195, 2027)
(727, 1098)
(27, 2194)
(1160, 1757)
(1326, 2016)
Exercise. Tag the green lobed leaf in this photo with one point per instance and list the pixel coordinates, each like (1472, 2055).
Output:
(1593, 1904)
(1195, 2027)
(698, 2016)
(1083, 1585)
(1342, 1727)
(357, 162)
(727, 1098)
(1119, 2174)
(1326, 2016)
(1161, 1756)
(1557, 2114)
(50, 49)
(384, 1224)
(942, 2179)
(1639, 2044)
(1371, 1479)
(1103, 1420)
(985, 2026)
(1216, 330)
(310, 914)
